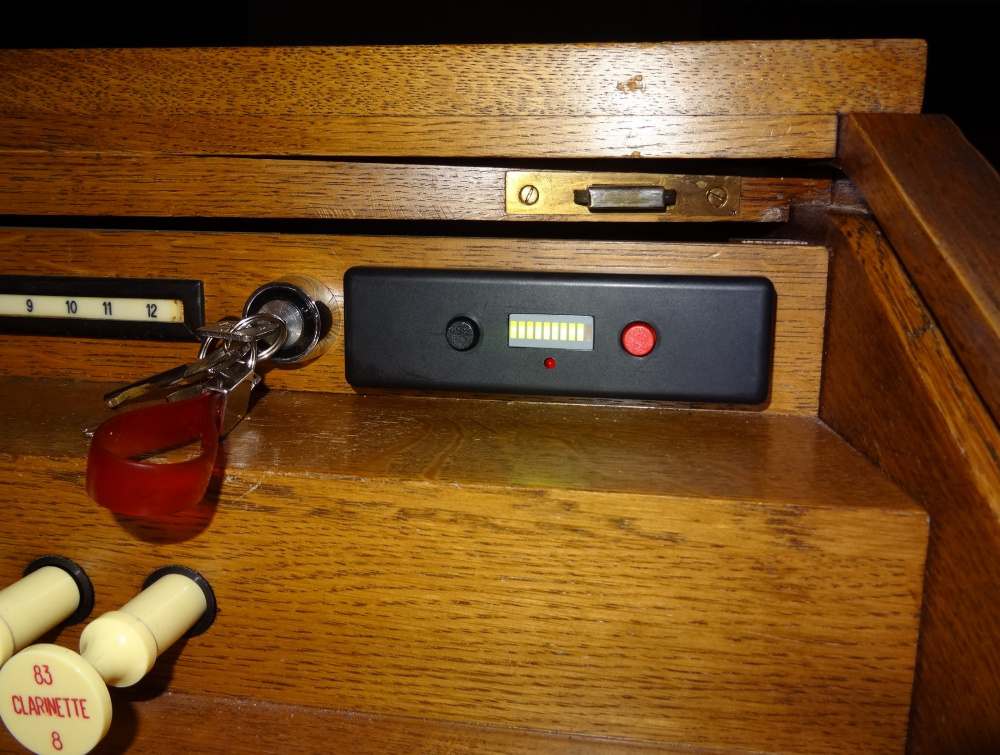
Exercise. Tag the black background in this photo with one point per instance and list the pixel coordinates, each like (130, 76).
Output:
(962, 36)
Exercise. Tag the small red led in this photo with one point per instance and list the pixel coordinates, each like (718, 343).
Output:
(638, 339)
(550, 363)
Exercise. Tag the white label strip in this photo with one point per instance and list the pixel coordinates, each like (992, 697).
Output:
(92, 308)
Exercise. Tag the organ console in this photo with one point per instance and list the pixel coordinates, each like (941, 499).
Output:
(626, 398)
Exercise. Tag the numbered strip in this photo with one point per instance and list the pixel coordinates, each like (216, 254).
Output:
(92, 308)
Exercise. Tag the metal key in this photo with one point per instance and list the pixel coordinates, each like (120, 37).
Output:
(139, 388)
(239, 341)
(184, 374)
(247, 330)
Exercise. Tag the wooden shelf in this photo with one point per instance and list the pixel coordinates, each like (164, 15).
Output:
(717, 579)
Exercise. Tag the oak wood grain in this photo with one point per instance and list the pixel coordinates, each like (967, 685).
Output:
(641, 451)
(737, 78)
(233, 265)
(742, 581)
(895, 390)
(170, 723)
(683, 99)
(943, 225)
(168, 186)
(682, 136)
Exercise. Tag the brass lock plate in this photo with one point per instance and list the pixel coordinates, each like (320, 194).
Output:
(556, 193)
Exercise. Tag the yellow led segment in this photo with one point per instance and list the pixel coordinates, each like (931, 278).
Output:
(573, 332)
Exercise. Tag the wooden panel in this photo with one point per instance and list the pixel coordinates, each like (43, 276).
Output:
(729, 78)
(233, 265)
(504, 100)
(164, 186)
(751, 583)
(893, 388)
(942, 220)
(799, 136)
(170, 723)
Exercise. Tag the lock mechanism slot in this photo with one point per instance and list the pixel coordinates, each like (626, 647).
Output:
(622, 196)
(625, 198)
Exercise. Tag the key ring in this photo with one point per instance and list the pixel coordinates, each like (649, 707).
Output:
(245, 324)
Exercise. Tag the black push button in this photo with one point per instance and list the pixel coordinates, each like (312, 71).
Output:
(462, 334)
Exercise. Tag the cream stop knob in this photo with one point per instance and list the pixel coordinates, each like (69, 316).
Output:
(54, 590)
(123, 645)
(53, 700)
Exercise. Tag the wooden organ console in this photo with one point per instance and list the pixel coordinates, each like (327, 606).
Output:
(411, 570)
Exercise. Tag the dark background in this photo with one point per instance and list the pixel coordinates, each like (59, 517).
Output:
(962, 36)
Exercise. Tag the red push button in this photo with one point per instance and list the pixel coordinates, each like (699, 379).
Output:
(638, 339)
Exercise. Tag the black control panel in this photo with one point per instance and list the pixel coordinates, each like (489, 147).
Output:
(686, 338)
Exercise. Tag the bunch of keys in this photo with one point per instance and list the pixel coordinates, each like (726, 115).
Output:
(203, 400)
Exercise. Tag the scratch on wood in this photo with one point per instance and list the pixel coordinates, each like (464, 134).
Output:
(264, 475)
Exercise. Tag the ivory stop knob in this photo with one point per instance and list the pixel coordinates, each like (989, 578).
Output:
(53, 700)
(54, 590)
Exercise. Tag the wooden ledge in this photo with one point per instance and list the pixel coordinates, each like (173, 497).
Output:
(498, 444)
(713, 579)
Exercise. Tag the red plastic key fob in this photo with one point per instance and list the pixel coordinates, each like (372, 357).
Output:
(118, 480)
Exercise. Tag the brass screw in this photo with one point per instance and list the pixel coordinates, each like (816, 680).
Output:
(717, 196)
(528, 194)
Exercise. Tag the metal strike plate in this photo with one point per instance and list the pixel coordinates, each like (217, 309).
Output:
(555, 193)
